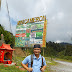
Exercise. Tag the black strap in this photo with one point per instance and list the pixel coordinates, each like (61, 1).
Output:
(42, 61)
(31, 60)
(42, 64)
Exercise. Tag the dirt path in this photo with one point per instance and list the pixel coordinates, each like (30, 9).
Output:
(62, 66)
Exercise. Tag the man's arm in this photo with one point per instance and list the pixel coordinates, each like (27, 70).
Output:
(44, 63)
(28, 69)
(43, 68)
(24, 66)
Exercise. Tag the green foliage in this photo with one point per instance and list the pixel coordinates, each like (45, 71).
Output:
(68, 50)
(68, 58)
(8, 37)
(63, 51)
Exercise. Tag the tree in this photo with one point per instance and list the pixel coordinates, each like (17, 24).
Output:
(8, 37)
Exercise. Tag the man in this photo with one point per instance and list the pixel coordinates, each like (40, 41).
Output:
(37, 61)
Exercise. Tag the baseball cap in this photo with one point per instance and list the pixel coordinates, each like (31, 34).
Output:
(37, 46)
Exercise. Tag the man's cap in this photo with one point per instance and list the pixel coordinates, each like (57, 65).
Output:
(37, 46)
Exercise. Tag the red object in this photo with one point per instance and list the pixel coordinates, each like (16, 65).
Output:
(20, 35)
(5, 66)
(1, 34)
(28, 30)
(6, 54)
(17, 66)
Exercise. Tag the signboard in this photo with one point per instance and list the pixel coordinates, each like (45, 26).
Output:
(31, 33)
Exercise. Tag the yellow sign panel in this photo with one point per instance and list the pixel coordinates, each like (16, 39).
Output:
(44, 34)
(31, 20)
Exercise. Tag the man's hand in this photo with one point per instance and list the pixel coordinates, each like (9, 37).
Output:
(42, 69)
(30, 69)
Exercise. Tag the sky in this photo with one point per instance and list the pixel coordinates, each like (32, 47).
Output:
(58, 14)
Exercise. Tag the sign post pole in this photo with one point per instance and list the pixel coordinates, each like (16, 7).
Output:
(43, 51)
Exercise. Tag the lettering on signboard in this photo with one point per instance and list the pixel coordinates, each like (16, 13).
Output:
(31, 20)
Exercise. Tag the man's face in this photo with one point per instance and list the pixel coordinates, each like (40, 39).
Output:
(37, 51)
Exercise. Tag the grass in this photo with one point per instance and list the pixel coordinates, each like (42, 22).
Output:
(63, 60)
(18, 61)
(10, 69)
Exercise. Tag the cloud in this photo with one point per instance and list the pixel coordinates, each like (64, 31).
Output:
(13, 28)
(70, 35)
(4, 21)
(53, 18)
(58, 13)
(58, 41)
